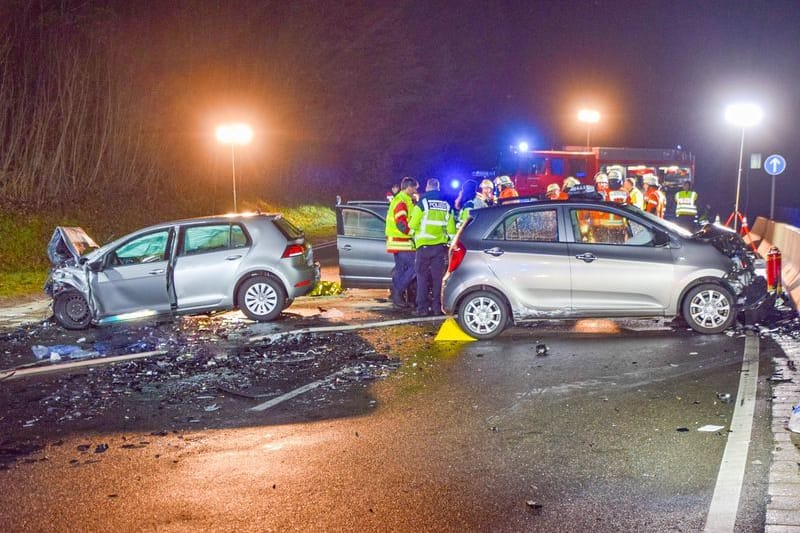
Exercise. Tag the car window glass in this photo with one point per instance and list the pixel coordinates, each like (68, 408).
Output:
(604, 227)
(362, 224)
(145, 249)
(199, 239)
(238, 237)
(533, 226)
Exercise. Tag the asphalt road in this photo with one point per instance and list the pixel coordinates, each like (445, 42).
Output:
(461, 437)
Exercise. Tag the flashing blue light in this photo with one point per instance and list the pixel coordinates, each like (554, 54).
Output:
(680, 147)
(454, 184)
(523, 146)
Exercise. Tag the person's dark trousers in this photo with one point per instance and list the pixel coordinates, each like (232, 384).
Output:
(430, 266)
(403, 274)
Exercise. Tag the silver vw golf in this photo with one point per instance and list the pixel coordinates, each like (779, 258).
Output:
(258, 263)
(585, 258)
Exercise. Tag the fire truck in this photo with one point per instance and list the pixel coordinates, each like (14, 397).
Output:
(533, 170)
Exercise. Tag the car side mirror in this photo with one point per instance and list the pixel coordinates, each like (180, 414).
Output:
(96, 266)
(660, 239)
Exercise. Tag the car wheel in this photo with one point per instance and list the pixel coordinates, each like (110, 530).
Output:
(709, 308)
(71, 310)
(261, 298)
(483, 314)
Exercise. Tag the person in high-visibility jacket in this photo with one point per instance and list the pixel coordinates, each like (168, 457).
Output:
(506, 188)
(686, 206)
(655, 201)
(466, 201)
(635, 196)
(433, 224)
(399, 240)
(554, 192)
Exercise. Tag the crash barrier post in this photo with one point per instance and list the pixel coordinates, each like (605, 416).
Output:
(787, 239)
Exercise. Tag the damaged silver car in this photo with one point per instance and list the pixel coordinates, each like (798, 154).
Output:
(257, 263)
(586, 258)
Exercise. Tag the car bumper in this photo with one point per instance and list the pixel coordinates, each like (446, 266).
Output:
(305, 281)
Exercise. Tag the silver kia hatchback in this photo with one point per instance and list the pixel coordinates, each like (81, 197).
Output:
(257, 263)
(586, 258)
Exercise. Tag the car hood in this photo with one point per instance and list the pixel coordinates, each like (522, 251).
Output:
(723, 239)
(69, 244)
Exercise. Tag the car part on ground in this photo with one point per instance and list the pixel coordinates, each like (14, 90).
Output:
(256, 262)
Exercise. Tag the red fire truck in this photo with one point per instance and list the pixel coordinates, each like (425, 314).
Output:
(533, 170)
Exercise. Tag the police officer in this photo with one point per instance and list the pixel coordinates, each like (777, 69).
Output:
(686, 206)
(399, 240)
(433, 224)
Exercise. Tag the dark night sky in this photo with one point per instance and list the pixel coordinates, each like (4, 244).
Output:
(365, 92)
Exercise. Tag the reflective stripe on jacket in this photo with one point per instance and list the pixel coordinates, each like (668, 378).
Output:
(685, 203)
(432, 221)
(397, 216)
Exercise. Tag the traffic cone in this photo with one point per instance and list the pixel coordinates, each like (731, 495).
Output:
(452, 332)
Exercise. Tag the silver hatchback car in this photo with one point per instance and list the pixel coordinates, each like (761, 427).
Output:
(586, 258)
(258, 263)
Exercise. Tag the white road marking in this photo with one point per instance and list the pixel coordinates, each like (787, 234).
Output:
(725, 502)
(297, 392)
(352, 327)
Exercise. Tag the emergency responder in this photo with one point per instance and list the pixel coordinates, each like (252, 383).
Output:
(506, 188)
(635, 196)
(392, 192)
(399, 241)
(569, 182)
(601, 185)
(554, 192)
(655, 201)
(466, 200)
(686, 206)
(433, 224)
(485, 198)
(615, 192)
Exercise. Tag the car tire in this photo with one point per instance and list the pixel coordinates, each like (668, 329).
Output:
(261, 298)
(483, 314)
(71, 310)
(709, 308)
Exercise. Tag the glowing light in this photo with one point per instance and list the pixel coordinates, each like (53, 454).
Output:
(589, 116)
(744, 114)
(523, 146)
(236, 133)
(128, 316)
(454, 184)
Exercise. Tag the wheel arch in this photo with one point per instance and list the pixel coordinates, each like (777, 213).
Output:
(486, 288)
(253, 274)
(701, 281)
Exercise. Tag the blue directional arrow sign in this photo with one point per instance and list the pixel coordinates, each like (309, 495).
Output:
(774, 164)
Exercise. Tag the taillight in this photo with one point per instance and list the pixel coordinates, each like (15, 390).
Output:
(457, 253)
(293, 250)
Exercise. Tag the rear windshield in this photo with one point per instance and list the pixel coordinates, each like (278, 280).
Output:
(289, 230)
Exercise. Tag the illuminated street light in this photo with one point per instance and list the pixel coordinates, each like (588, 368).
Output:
(588, 117)
(743, 115)
(233, 134)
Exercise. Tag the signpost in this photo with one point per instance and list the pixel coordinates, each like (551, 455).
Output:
(774, 165)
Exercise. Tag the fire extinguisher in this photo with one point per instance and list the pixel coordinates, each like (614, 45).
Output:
(774, 269)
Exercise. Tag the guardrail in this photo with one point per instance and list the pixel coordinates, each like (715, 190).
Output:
(767, 233)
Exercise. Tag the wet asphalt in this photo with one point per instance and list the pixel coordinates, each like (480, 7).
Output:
(483, 436)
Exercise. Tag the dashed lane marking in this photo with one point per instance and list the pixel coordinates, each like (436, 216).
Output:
(298, 391)
(727, 492)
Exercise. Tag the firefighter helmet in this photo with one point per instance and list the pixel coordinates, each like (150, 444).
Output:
(600, 177)
(504, 181)
(553, 188)
(650, 179)
(487, 183)
(570, 182)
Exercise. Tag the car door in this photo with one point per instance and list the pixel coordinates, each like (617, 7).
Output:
(617, 264)
(207, 264)
(134, 276)
(525, 254)
(361, 243)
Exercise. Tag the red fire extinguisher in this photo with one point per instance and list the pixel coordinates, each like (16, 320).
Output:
(774, 269)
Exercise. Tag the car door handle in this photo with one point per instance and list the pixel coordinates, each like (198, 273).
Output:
(587, 257)
(496, 252)
(156, 272)
(233, 257)
(347, 247)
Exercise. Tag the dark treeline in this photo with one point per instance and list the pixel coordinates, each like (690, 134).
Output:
(117, 101)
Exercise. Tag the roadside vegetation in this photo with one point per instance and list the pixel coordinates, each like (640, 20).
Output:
(23, 246)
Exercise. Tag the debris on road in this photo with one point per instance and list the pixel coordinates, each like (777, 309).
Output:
(682, 429)
(535, 507)
(710, 428)
(724, 397)
(541, 349)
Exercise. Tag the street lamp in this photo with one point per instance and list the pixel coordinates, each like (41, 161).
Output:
(588, 117)
(743, 115)
(233, 134)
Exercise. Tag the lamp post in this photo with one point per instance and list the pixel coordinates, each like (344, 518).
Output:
(743, 115)
(588, 117)
(233, 134)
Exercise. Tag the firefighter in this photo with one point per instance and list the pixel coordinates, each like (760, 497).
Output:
(433, 224)
(506, 188)
(686, 206)
(399, 241)
(485, 198)
(569, 182)
(554, 192)
(615, 192)
(635, 196)
(655, 201)
(601, 185)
